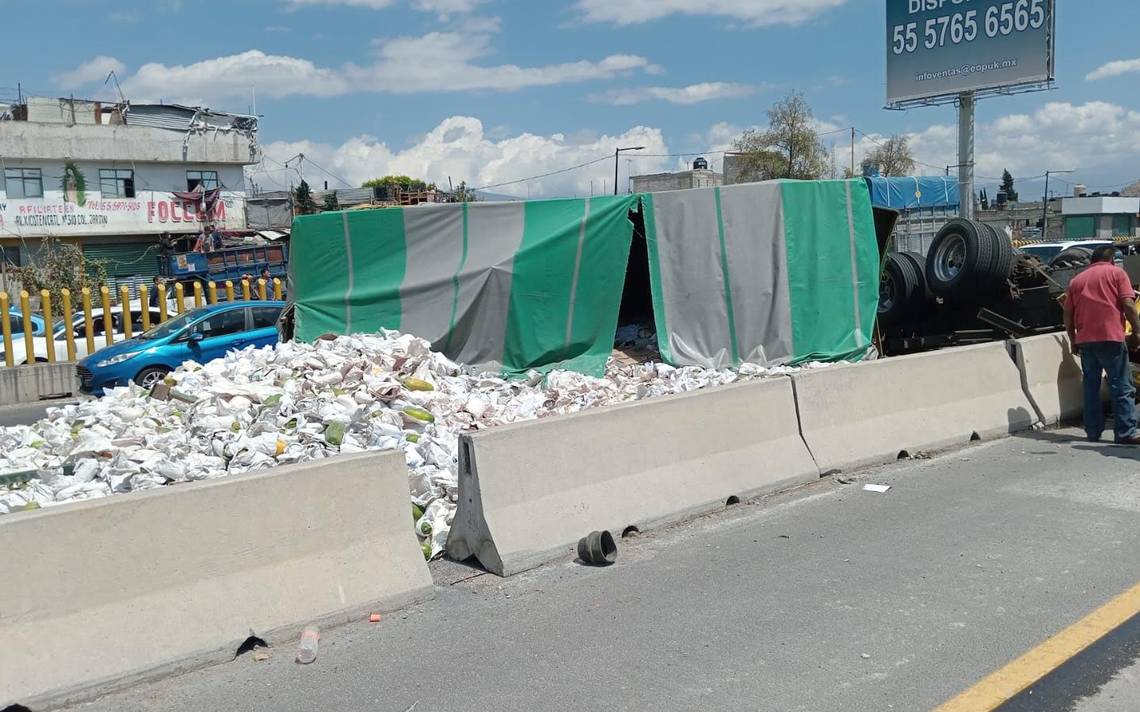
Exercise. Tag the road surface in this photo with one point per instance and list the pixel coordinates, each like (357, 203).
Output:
(827, 598)
(28, 413)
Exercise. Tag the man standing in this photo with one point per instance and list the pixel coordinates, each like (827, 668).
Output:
(1097, 303)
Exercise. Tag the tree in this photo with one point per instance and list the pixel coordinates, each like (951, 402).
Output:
(1007, 186)
(403, 183)
(788, 148)
(303, 199)
(984, 199)
(892, 158)
(58, 266)
(330, 202)
(463, 194)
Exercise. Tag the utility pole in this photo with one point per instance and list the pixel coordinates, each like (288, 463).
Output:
(1045, 204)
(966, 153)
(617, 158)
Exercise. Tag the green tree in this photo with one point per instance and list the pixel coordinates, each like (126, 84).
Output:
(788, 148)
(892, 158)
(463, 194)
(330, 203)
(57, 266)
(405, 184)
(1007, 186)
(303, 199)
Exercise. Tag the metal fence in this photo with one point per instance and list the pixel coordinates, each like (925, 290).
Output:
(107, 316)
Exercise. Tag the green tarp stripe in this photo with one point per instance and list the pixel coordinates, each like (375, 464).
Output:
(351, 273)
(854, 269)
(455, 285)
(735, 348)
(656, 284)
(577, 274)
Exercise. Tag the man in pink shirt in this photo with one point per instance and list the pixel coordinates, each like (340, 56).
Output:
(1097, 303)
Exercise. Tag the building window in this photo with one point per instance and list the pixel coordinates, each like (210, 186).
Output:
(24, 183)
(207, 179)
(116, 183)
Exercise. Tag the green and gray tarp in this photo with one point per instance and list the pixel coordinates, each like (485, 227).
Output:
(765, 273)
(496, 286)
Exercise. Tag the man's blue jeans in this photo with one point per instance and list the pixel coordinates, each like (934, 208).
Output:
(1111, 358)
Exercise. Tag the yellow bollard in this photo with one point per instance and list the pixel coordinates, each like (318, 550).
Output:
(144, 303)
(180, 297)
(229, 290)
(161, 302)
(49, 325)
(88, 324)
(197, 294)
(26, 313)
(6, 327)
(261, 290)
(212, 293)
(245, 291)
(277, 289)
(125, 310)
(68, 321)
(108, 318)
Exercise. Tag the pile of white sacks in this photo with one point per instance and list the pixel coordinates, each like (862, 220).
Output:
(255, 409)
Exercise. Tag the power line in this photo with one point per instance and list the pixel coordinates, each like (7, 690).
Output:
(546, 175)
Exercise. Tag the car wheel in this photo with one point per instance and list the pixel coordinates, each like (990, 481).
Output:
(149, 377)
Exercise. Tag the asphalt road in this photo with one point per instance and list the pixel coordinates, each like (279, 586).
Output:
(828, 598)
(28, 413)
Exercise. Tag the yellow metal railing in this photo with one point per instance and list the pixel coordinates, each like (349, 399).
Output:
(81, 325)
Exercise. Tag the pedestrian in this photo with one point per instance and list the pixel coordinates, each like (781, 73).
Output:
(158, 282)
(216, 239)
(265, 274)
(1097, 303)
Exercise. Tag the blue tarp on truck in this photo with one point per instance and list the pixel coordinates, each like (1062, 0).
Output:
(909, 192)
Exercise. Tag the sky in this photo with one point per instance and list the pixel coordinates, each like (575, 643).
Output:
(496, 92)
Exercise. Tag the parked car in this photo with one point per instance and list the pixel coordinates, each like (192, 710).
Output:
(1048, 252)
(16, 322)
(201, 335)
(79, 332)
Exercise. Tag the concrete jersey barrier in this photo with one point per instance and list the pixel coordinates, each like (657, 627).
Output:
(1053, 377)
(528, 492)
(103, 593)
(872, 412)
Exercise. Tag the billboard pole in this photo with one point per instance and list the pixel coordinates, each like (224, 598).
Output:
(966, 153)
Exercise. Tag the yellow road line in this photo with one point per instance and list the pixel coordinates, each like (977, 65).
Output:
(1002, 685)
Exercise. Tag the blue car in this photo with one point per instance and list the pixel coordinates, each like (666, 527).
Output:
(200, 335)
(16, 322)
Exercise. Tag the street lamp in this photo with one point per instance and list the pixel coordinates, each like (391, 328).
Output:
(1045, 204)
(617, 157)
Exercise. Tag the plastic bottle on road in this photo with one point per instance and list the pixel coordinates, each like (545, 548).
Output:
(307, 650)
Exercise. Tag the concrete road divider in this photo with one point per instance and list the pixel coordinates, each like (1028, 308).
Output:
(99, 594)
(1052, 377)
(874, 412)
(27, 384)
(529, 491)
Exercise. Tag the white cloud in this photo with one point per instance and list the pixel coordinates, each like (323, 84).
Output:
(692, 94)
(90, 72)
(436, 62)
(445, 8)
(1115, 69)
(460, 147)
(753, 12)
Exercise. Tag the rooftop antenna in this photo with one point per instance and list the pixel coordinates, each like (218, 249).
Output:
(111, 75)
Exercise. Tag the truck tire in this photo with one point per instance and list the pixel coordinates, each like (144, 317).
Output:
(901, 289)
(960, 251)
(1072, 258)
(1003, 253)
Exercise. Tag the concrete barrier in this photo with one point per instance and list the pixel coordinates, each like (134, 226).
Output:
(528, 492)
(1052, 377)
(99, 594)
(871, 413)
(27, 384)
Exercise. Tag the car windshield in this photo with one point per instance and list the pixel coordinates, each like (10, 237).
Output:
(170, 326)
(1043, 252)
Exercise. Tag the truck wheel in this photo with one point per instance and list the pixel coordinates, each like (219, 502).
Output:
(1072, 258)
(150, 376)
(1003, 253)
(901, 289)
(965, 260)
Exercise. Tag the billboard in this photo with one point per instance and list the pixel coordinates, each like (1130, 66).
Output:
(939, 48)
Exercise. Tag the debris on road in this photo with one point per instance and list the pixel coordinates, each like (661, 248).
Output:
(307, 648)
(294, 402)
(881, 489)
(374, 618)
(597, 549)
